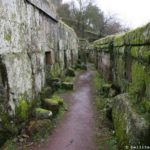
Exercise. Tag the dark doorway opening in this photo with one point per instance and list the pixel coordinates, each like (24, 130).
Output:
(48, 58)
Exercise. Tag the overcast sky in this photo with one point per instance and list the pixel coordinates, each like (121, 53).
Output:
(132, 13)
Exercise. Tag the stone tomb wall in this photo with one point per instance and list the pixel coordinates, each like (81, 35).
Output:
(31, 38)
(124, 60)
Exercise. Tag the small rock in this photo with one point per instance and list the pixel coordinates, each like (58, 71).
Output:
(25, 136)
(53, 104)
(21, 140)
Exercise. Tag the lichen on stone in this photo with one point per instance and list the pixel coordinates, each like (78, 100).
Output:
(7, 35)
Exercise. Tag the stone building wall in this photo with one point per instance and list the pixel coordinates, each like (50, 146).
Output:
(124, 60)
(31, 38)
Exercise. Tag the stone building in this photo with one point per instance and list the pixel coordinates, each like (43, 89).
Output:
(32, 42)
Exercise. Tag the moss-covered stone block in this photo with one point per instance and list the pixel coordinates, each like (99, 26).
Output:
(41, 113)
(67, 85)
(53, 104)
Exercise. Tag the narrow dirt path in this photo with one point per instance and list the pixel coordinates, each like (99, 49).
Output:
(76, 131)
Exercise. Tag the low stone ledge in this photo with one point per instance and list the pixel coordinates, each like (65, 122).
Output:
(41, 113)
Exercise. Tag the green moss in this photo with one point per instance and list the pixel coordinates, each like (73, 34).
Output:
(119, 40)
(136, 36)
(120, 71)
(13, 16)
(98, 81)
(55, 100)
(41, 110)
(145, 53)
(51, 101)
(141, 52)
(50, 44)
(22, 110)
(121, 50)
(53, 104)
(56, 71)
(68, 79)
(138, 78)
(7, 35)
(134, 51)
(41, 113)
(139, 88)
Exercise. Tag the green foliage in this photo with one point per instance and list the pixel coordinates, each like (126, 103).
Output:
(22, 110)
(98, 81)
